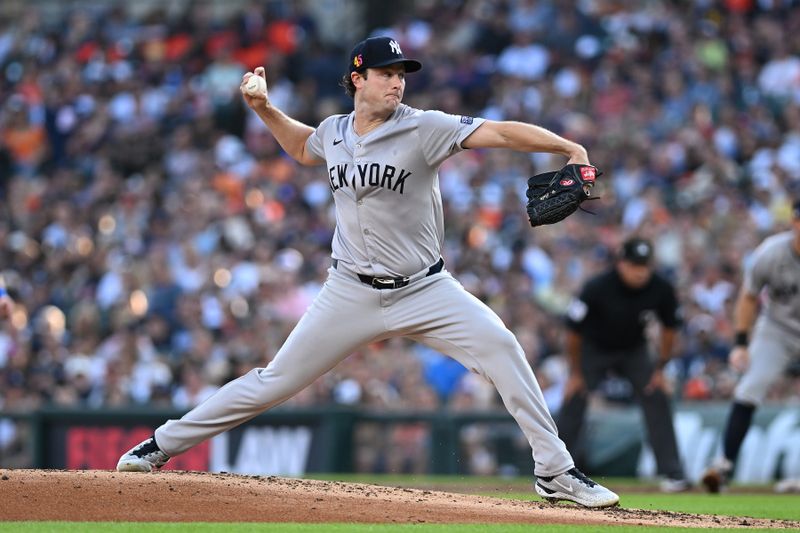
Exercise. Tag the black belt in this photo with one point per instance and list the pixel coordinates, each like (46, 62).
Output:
(394, 283)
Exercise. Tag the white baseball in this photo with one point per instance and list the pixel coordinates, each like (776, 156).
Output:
(255, 85)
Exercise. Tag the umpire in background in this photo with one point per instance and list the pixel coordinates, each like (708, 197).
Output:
(606, 332)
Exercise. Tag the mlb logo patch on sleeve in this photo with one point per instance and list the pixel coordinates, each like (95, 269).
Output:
(466, 120)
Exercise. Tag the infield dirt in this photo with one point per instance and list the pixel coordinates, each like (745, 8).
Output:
(98, 495)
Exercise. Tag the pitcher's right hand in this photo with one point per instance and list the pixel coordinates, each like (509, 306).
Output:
(257, 100)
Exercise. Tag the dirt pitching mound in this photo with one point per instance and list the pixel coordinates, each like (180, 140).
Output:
(96, 495)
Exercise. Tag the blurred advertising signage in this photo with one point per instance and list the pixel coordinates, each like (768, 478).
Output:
(99, 448)
(254, 449)
(771, 449)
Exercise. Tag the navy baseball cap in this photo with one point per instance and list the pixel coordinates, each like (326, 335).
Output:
(380, 52)
(637, 250)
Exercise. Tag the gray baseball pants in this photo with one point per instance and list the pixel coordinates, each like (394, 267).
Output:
(347, 314)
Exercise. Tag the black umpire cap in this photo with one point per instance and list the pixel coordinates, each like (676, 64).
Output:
(380, 52)
(637, 250)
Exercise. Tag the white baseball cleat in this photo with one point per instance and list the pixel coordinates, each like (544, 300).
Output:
(143, 457)
(574, 486)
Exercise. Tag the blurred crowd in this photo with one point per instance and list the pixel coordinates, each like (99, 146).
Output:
(159, 243)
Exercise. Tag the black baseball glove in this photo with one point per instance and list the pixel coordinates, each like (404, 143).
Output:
(553, 196)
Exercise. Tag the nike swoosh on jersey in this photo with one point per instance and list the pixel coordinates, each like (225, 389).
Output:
(337, 141)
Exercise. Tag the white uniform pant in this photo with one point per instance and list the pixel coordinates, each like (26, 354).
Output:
(347, 314)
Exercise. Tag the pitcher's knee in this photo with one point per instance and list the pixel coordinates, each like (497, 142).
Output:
(497, 340)
(267, 389)
(501, 341)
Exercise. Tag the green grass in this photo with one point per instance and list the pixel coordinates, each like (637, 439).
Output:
(782, 507)
(112, 527)
(779, 506)
(759, 504)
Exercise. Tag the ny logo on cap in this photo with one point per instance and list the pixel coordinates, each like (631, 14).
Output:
(395, 47)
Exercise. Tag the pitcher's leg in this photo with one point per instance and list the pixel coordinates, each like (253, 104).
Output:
(443, 315)
(504, 365)
(344, 316)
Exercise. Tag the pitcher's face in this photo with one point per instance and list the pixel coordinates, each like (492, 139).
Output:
(383, 87)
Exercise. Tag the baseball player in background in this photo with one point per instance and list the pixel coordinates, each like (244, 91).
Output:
(765, 355)
(606, 331)
(387, 277)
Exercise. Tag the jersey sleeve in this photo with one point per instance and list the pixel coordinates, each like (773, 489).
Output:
(316, 141)
(441, 134)
(756, 270)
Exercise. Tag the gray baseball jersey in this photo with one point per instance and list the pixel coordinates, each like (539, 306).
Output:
(386, 187)
(775, 268)
(389, 223)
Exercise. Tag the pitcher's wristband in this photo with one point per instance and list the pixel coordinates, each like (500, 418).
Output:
(741, 338)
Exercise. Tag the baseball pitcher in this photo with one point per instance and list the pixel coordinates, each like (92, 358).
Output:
(381, 162)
